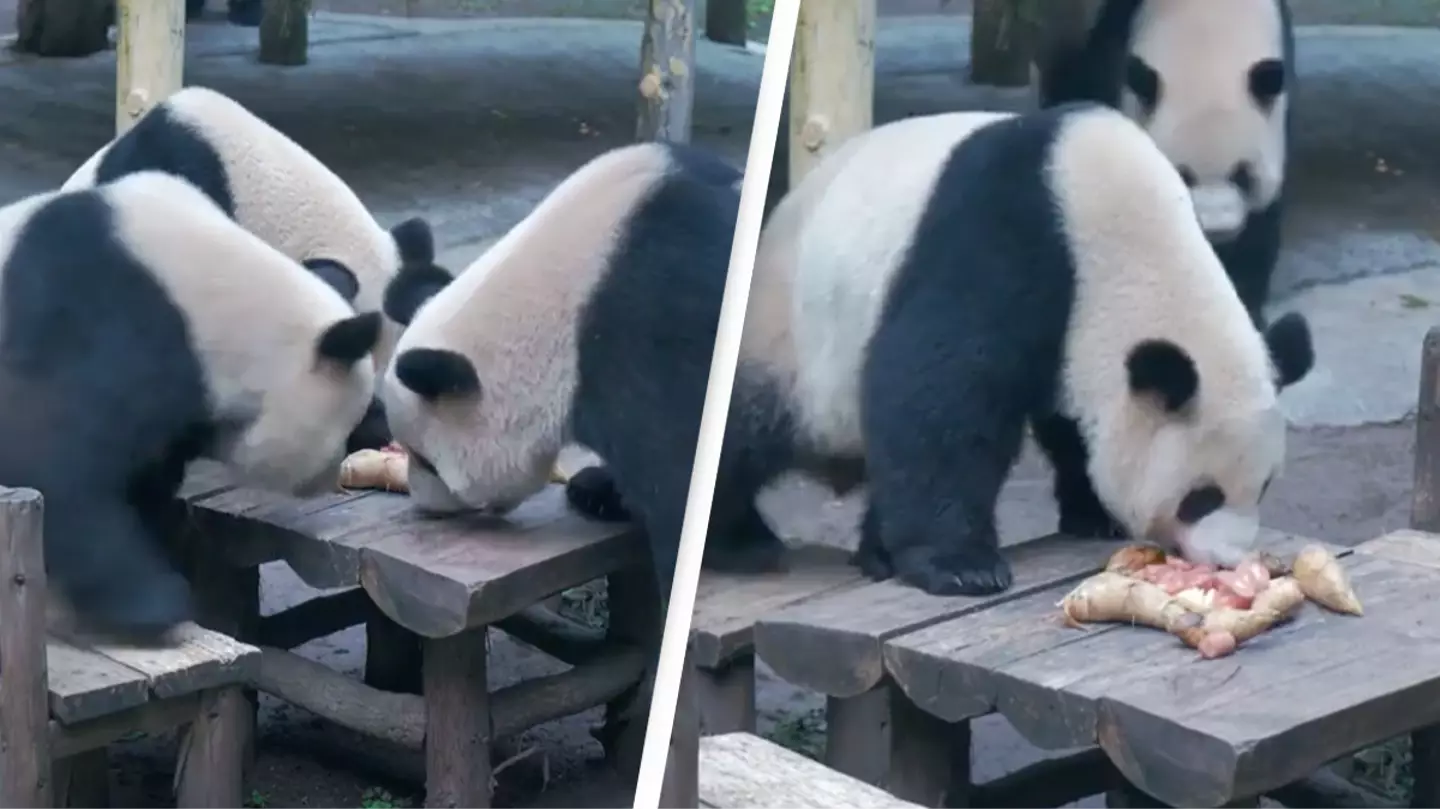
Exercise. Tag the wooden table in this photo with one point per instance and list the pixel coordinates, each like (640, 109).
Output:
(905, 673)
(429, 589)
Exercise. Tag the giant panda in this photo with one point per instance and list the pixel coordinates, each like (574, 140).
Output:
(907, 317)
(141, 328)
(592, 321)
(277, 190)
(1211, 81)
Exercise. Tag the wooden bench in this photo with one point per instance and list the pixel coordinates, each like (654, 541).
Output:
(742, 770)
(62, 704)
(428, 589)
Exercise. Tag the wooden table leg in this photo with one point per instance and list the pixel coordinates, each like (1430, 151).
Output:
(82, 780)
(457, 721)
(210, 772)
(681, 786)
(881, 738)
(832, 80)
(25, 699)
(227, 601)
(1425, 765)
(727, 696)
(635, 618)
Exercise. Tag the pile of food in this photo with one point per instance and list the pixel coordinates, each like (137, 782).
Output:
(387, 469)
(1212, 610)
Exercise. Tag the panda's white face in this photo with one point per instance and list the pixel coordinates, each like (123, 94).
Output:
(1208, 82)
(1196, 488)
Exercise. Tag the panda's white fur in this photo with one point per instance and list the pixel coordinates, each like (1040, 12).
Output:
(1206, 118)
(143, 328)
(906, 317)
(592, 322)
(271, 185)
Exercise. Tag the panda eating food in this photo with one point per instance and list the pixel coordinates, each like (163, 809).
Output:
(907, 318)
(140, 329)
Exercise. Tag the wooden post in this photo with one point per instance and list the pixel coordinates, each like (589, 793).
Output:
(999, 48)
(285, 32)
(667, 71)
(727, 696)
(681, 785)
(62, 27)
(149, 56)
(832, 79)
(636, 619)
(883, 739)
(228, 601)
(1425, 765)
(210, 771)
(25, 698)
(457, 721)
(1425, 498)
(82, 780)
(725, 21)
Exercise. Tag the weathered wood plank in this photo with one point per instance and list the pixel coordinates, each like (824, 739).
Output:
(85, 684)
(441, 577)
(1406, 546)
(728, 605)
(204, 479)
(726, 696)
(212, 752)
(958, 669)
(743, 770)
(25, 698)
(833, 643)
(201, 659)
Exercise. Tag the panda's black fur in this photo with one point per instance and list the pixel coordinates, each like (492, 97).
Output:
(645, 333)
(1095, 68)
(105, 401)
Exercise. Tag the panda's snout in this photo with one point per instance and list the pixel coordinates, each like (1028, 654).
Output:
(1221, 209)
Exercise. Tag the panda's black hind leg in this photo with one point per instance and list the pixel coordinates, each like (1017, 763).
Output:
(113, 572)
(739, 540)
(1081, 513)
(871, 557)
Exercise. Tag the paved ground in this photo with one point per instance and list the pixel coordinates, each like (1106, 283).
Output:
(471, 121)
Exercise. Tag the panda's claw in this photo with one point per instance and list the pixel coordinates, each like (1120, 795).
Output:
(974, 572)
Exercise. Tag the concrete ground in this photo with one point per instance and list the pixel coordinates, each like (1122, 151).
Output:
(470, 121)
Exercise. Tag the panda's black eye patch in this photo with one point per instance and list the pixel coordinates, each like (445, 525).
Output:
(1143, 81)
(1188, 175)
(1244, 179)
(1267, 81)
(1199, 503)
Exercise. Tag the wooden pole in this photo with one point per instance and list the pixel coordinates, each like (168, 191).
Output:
(667, 71)
(285, 32)
(832, 79)
(25, 698)
(725, 21)
(149, 57)
(999, 46)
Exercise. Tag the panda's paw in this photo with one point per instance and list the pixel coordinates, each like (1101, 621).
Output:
(871, 557)
(592, 493)
(975, 571)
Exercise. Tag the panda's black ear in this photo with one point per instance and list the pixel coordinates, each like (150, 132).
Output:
(415, 241)
(1143, 81)
(336, 275)
(1291, 348)
(435, 373)
(1267, 81)
(411, 288)
(1162, 369)
(349, 340)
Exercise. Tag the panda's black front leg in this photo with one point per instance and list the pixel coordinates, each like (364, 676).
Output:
(871, 557)
(1081, 513)
(943, 423)
(592, 493)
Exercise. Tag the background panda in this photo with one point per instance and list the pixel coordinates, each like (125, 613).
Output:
(1211, 81)
(278, 191)
(140, 328)
(891, 337)
(592, 321)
